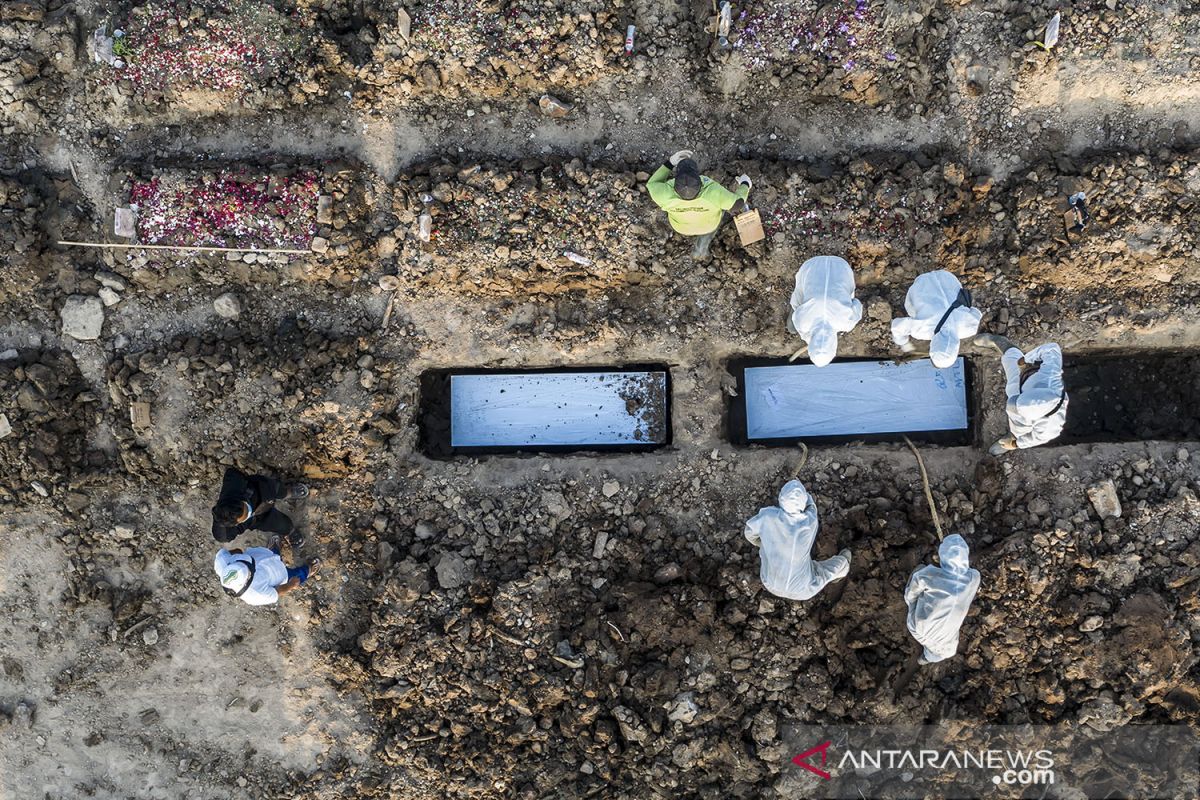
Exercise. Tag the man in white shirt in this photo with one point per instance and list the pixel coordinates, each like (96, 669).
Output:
(1037, 398)
(939, 598)
(823, 305)
(258, 575)
(785, 536)
(939, 310)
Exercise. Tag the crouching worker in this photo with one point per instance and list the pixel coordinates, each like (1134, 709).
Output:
(696, 205)
(258, 576)
(938, 599)
(823, 305)
(1037, 399)
(939, 310)
(785, 536)
(247, 502)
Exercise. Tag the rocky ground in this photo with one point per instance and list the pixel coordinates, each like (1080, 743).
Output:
(584, 625)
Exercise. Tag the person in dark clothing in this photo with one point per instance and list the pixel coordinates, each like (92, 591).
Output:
(247, 502)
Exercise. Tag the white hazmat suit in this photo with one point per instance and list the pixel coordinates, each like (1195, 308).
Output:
(823, 305)
(269, 573)
(1037, 408)
(940, 311)
(938, 599)
(785, 536)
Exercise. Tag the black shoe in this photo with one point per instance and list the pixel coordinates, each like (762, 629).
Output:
(296, 491)
(296, 539)
(273, 544)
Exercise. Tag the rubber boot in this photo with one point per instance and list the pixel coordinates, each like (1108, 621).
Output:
(701, 245)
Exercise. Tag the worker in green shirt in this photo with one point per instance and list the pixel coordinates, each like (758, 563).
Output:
(696, 205)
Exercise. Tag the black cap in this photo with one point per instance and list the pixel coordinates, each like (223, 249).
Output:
(687, 179)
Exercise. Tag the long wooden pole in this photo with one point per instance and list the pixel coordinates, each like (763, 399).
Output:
(186, 247)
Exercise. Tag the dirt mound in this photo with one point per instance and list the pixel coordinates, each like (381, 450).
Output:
(50, 412)
(328, 402)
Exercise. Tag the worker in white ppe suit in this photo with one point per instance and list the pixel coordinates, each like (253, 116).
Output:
(785, 536)
(1037, 399)
(939, 310)
(938, 599)
(823, 305)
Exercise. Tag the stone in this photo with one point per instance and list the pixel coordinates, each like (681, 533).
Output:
(389, 283)
(552, 107)
(1091, 623)
(123, 531)
(150, 635)
(83, 317)
(324, 210)
(452, 571)
(633, 730)
(22, 715)
(879, 310)
(112, 280)
(5, 426)
(979, 79)
(683, 708)
(108, 296)
(319, 244)
(1104, 499)
(954, 174)
(668, 573)
(982, 186)
(610, 488)
(385, 246)
(228, 306)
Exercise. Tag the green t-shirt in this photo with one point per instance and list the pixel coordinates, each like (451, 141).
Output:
(697, 216)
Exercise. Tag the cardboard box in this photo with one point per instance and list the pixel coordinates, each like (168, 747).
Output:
(749, 227)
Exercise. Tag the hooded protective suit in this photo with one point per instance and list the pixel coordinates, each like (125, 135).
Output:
(269, 572)
(823, 305)
(929, 299)
(785, 534)
(1037, 408)
(938, 599)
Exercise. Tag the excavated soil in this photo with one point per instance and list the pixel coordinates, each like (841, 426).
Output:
(586, 625)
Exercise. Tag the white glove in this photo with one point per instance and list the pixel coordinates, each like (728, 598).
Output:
(744, 178)
(680, 156)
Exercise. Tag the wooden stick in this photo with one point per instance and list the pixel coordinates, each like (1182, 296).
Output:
(798, 353)
(387, 312)
(928, 492)
(185, 247)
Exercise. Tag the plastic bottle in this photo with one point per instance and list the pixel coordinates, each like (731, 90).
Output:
(629, 32)
(724, 18)
(424, 227)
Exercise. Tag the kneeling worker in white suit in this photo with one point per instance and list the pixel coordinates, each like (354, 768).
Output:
(939, 310)
(938, 599)
(1037, 399)
(785, 534)
(823, 305)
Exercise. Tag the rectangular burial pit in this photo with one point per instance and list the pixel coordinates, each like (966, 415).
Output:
(1132, 397)
(559, 410)
(858, 399)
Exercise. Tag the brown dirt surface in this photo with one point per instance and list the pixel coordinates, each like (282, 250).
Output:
(578, 625)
